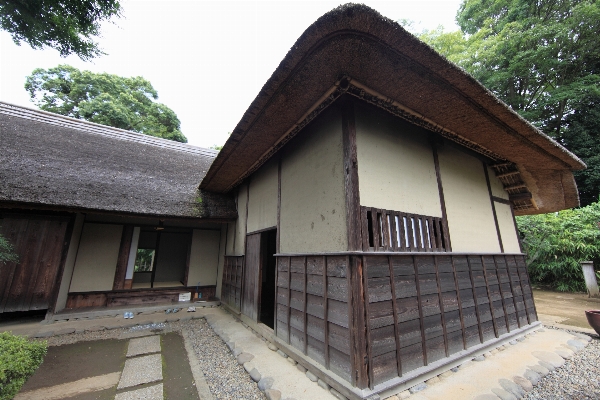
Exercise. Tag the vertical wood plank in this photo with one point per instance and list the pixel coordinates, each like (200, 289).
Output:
(512, 290)
(385, 228)
(502, 296)
(491, 302)
(475, 299)
(489, 187)
(460, 307)
(431, 234)
(325, 313)
(441, 300)
(410, 231)
(395, 315)
(289, 303)
(364, 229)
(438, 175)
(368, 322)
(351, 175)
(123, 258)
(438, 231)
(402, 231)
(360, 365)
(376, 229)
(419, 302)
(304, 310)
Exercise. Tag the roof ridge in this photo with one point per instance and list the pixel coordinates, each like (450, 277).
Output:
(98, 129)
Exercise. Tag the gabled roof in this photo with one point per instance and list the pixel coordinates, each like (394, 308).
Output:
(54, 161)
(354, 50)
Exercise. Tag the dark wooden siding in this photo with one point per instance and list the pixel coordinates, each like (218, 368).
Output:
(444, 304)
(313, 309)
(231, 290)
(251, 276)
(39, 242)
(399, 312)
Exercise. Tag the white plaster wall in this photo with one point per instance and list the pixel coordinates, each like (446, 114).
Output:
(97, 258)
(468, 207)
(313, 205)
(240, 224)
(230, 235)
(204, 257)
(262, 202)
(223, 240)
(508, 232)
(396, 170)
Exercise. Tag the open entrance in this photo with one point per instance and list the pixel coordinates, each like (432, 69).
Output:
(267, 290)
(161, 258)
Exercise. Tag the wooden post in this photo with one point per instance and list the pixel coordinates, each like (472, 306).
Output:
(353, 224)
(121, 270)
(358, 326)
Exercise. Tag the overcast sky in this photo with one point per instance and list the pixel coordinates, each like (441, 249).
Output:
(207, 60)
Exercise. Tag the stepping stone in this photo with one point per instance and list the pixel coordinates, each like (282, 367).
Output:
(578, 344)
(582, 336)
(551, 358)
(524, 383)
(542, 371)
(143, 345)
(512, 387)
(311, 376)
(301, 368)
(141, 370)
(273, 394)
(244, 358)
(148, 393)
(479, 358)
(265, 383)
(323, 384)
(503, 394)
(255, 375)
(532, 376)
(96, 328)
(564, 353)
(272, 347)
(547, 365)
(433, 381)
(404, 395)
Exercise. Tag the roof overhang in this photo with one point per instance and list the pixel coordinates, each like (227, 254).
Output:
(354, 50)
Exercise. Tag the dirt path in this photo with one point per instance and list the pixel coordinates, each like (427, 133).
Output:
(564, 308)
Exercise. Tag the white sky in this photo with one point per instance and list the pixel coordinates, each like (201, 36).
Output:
(208, 60)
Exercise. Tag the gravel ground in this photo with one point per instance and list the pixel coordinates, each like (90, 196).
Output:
(225, 377)
(577, 379)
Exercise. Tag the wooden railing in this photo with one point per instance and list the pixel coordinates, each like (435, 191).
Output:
(385, 230)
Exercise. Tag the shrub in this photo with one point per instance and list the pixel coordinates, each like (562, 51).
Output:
(19, 359)
(556, 243)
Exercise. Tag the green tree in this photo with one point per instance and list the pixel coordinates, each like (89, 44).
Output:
(556, 243)
(540, 57)
(126, 103)
(7, 253)
(65, 25)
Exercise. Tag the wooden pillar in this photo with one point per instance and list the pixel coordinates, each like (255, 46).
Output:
(125, 247)
(353, 224)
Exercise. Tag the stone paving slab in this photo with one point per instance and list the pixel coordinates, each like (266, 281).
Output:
(143, 345)
(141, 370)
(148, 393)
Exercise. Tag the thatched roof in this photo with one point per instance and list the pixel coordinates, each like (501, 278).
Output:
(353, 50)
(48, 160)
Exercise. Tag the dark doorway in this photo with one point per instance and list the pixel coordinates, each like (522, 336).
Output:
(267, 292)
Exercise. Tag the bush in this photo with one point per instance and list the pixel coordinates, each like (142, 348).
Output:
(19, 359)
(556, 243)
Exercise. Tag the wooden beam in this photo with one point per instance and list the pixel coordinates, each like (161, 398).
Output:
(507, 174)
(438, 175)
(515, 186)
(123, 258)
(353, 224)
(489, 187)
(520, 196)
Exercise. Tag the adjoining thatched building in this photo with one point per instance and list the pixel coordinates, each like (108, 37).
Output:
(361, 214)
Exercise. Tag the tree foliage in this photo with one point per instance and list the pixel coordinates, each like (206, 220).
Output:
(65, 25)
(126, 103)
(556, 243)
(7, 253)
(19, 359)
(540, 57)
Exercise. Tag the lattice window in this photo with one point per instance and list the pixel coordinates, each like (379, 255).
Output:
(386, 230)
